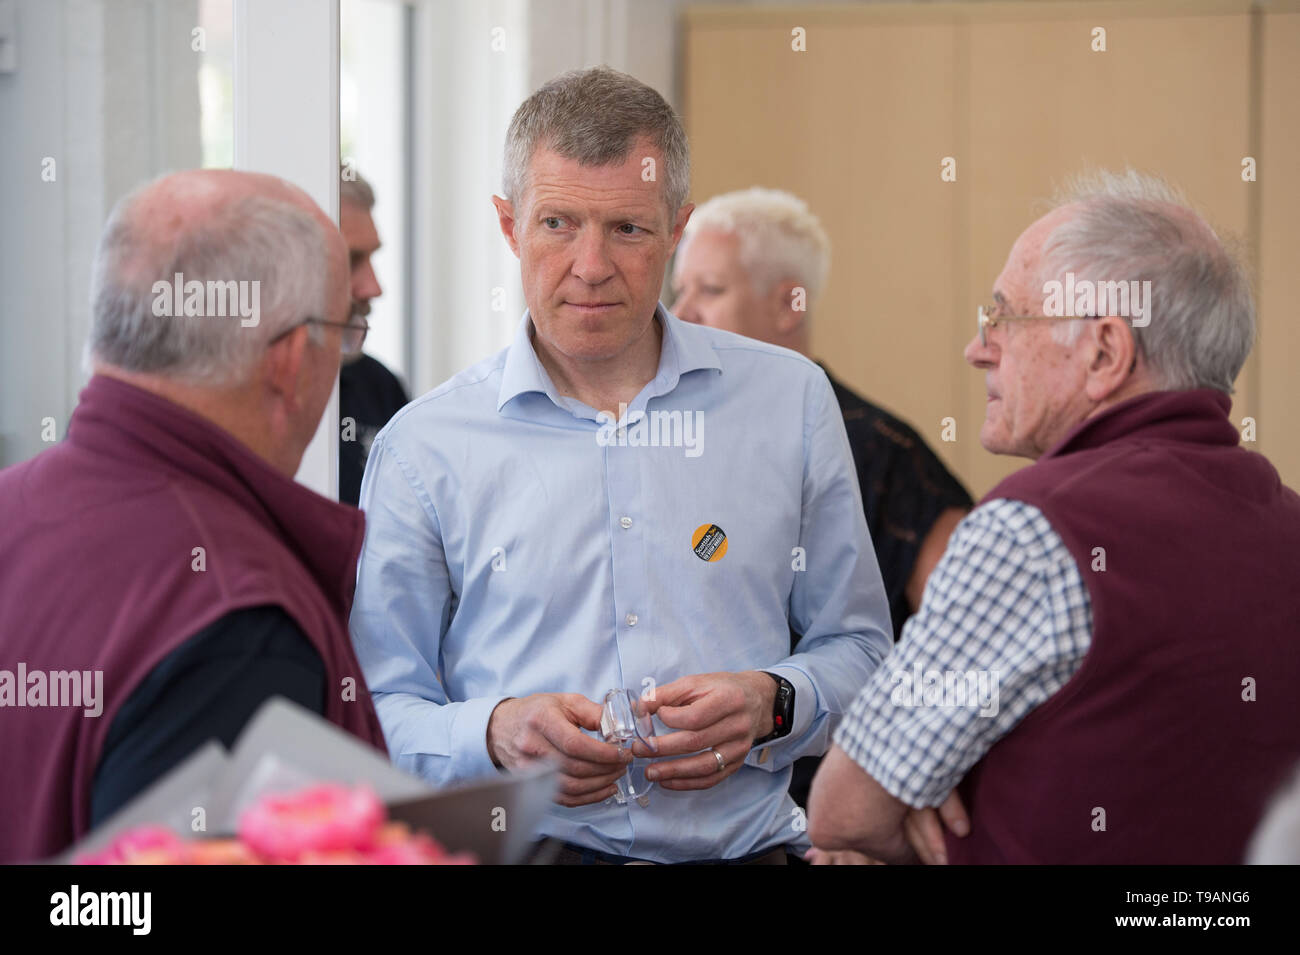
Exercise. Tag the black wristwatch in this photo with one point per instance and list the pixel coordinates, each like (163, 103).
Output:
(782, 710)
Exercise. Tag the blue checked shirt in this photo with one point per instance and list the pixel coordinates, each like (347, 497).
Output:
(1004, 623)
(521, 542)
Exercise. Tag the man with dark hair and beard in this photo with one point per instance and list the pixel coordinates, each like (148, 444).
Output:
(369, 394)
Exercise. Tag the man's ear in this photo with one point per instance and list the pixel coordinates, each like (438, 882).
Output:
(790, 305)
(679, 224)
(1112, 357)
(506, 220)
(285, 363)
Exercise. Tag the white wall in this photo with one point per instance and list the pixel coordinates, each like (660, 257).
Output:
(465, 94)
(110, 93)
(286, 90)
(373, 89)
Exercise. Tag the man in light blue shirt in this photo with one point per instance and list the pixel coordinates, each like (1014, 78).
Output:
(618, 499)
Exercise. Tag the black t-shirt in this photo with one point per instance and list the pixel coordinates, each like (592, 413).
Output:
(369, 394)
(207, 688)
(905, 487)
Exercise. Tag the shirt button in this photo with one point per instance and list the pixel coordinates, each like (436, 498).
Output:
(625, 522)
(631, 619)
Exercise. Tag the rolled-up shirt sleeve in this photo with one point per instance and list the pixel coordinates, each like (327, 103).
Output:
(1004, 624)
(838, 599)
(403, 604)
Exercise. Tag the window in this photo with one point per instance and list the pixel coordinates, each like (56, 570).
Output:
(374, 93)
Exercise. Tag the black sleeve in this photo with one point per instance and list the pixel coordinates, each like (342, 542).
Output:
(370, 395)
(207, 688)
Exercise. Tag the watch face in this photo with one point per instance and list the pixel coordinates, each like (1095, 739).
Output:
(786, 699)
(782, 709)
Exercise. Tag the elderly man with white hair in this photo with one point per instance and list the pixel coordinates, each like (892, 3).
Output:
(163, 552)
(1105, 664)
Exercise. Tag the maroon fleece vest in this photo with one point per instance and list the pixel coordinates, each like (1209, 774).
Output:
(1199, 599)
(97, 572)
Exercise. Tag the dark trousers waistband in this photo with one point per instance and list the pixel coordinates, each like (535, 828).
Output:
(570, 854)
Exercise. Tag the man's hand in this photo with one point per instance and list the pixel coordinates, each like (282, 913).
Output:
(924, 830)
(549, 726)
(848, 809)
(722, 712)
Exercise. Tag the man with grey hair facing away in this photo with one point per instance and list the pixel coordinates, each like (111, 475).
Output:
(618, 500)
(1105, 663)
(163, 552)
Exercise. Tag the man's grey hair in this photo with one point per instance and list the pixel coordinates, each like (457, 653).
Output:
(255, 239)
(595, 117)
(353, 188)
(1136, 227)
(779, 239)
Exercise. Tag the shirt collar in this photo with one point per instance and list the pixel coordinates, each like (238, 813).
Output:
(685, 349)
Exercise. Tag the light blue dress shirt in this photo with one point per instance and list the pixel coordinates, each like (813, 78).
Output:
(522, 542)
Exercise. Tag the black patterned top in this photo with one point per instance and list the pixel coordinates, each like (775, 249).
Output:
(905, 487)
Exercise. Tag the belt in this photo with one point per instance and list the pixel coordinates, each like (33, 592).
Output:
(570, 854)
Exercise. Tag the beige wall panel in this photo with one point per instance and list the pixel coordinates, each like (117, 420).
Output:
(1170, 95)
(1278, 347)
(859, 123)
(856, 126)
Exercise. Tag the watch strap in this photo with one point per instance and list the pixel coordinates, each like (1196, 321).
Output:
(782, 710)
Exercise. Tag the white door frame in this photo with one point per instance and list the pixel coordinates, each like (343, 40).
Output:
(286, 105)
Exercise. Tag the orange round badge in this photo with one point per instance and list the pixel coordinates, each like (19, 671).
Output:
(709, 542)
